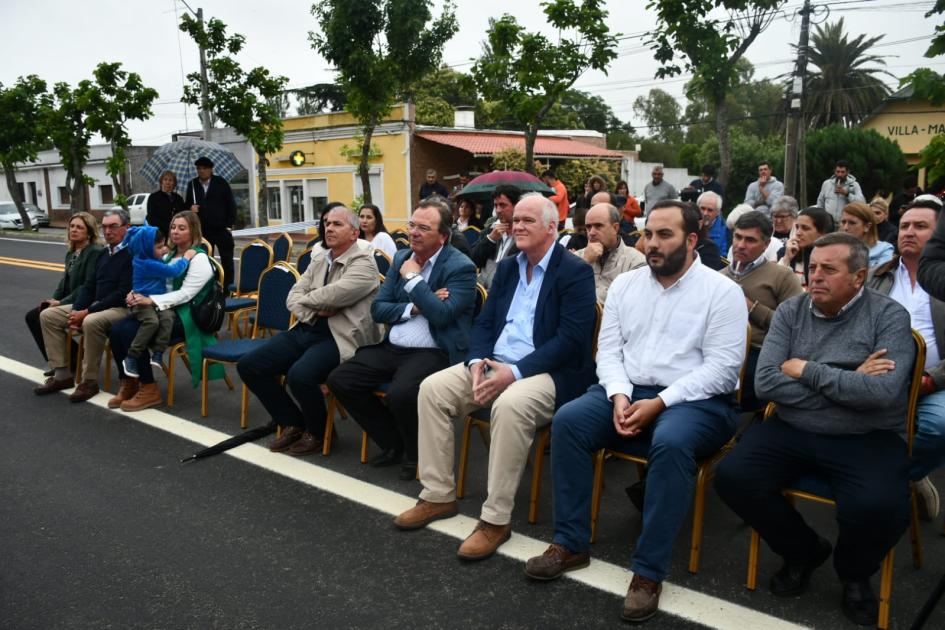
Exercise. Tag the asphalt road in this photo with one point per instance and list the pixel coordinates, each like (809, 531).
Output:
(103, 527)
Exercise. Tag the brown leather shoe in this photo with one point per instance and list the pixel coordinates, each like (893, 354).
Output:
(52, 385)
(127, 391)
(289, 436)
(306, 445)
(555, 561)
(84, 391)
(424, 513)
(484, 540)
(147, 396)
(643, 599)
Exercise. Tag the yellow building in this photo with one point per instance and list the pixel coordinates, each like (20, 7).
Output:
(330, 145)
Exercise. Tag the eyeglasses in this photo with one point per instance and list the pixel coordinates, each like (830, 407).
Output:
(780, 216)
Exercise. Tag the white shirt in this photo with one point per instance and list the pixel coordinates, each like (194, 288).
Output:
(916, 301)
(199, 272)
(385, 243)
(689, 339)
(413, 331)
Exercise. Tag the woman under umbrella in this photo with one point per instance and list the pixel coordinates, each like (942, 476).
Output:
(164, 203)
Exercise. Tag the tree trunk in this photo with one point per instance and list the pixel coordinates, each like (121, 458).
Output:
(10, 175)
(721, 128)
(531, 133)
(363, 166)
(262, 200)
(78, 184)
(116, 184)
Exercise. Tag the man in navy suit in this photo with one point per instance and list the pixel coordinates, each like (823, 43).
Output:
(530, 352)
(427, 299)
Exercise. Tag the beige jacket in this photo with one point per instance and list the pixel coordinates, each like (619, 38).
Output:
(622, 259)
(352, 283)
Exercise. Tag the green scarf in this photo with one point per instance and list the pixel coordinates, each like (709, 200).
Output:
(195, 338)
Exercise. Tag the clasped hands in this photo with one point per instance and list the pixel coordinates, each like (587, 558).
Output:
(486, 387)
(630, 418)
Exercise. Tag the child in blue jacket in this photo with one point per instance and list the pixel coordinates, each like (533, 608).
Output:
(150, 276)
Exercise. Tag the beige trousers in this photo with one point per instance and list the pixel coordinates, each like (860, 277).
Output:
(55, 324)
(522, 409)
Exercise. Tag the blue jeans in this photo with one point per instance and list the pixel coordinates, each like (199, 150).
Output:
(928, 446)
(674, 441)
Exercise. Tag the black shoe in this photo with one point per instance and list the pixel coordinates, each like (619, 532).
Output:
(48, 373)
(859, 603)
(792, 579)
(637, 494)
(408, 471)
(389, 457)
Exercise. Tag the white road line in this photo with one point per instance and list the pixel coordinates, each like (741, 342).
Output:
(31, 240)
(604, 576)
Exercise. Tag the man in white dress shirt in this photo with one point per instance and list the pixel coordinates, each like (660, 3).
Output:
(671, 346)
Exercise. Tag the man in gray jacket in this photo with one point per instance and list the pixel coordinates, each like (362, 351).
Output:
(839, 190)
(764, 191)
(837, 360)
(606, 252)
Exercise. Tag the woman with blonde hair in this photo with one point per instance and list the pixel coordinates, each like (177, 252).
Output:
(886, 230)
(858, 220)
(84, 250)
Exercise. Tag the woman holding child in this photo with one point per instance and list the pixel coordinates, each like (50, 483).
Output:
(142, 392)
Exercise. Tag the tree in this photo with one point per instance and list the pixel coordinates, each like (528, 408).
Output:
(249, 102)
(379, 48)
(67, 128)
(529, 73)
(877, 162)
(662, 115)
(118, 96)
(318, 98)
(930, 85)
(711, 47)
(22, 131)
(843, 89)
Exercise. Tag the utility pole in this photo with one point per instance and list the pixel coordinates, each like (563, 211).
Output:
(794, 141)
(204, 97)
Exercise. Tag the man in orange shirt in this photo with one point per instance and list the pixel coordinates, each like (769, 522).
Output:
(560, 198)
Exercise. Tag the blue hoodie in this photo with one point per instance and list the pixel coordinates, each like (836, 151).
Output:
(150, 274)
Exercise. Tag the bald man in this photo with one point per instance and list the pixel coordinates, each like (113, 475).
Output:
(606, 252)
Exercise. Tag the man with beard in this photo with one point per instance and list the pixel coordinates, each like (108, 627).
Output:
(671, 346)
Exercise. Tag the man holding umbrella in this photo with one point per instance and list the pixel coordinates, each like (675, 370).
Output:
(211, 198)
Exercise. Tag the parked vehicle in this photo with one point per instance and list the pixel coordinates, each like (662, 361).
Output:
(38, 218)
(10, 220)
(137, 207)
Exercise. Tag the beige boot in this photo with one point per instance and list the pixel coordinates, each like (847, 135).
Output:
(148, 396)
(127, 390)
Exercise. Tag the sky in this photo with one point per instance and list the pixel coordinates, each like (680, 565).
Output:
(63, 40)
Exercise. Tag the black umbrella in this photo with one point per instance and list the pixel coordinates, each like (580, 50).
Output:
(247, 436)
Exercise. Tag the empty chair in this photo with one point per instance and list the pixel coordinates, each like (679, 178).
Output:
(282, 248)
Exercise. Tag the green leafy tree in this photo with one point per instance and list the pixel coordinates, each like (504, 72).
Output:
(66, 124)
(710, 47)
(318, 98)
(510, 159)
(432, 110)
(930, 85)
(593, 112)
(575, 172)
(877, 162)
(249, 102)
(529, 73)
(661, 113)
(22, 131)
(117, 97)
(845, 87)
(379, 48)
(456, 88)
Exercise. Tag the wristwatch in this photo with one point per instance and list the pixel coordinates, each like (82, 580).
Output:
(410, 276)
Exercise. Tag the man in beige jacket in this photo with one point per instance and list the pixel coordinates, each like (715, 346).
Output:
(606, 252)
(332, 303)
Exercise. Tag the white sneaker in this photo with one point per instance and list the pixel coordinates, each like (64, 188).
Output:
(927, 499)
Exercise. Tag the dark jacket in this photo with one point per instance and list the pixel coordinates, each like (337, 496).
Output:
(109, 285)
(932, 263)
(78, 274)
(436, 188)
(881, 279)
(709, 254)
(161, 207)
(714, 185)
(564, 323)
(217, 207)
(484, 249)
(449, 319)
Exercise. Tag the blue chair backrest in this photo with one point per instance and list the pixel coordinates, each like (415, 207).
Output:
(312, 242)
(402, 243)
(382, 261)
(472, 235)
(281, 248)
(305, 259)
(274, 286)
(254, 259)
(399, 234)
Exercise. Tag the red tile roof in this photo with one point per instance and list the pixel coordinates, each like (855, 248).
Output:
(482, 144)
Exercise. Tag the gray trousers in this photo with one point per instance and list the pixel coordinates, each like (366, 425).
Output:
(155, 329)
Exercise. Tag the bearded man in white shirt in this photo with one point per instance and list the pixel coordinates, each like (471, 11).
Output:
(671, 346)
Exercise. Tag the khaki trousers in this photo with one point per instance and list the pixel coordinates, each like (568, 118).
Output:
(55, 324)
(524, 407)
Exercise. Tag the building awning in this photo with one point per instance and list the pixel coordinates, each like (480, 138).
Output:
(487, 144)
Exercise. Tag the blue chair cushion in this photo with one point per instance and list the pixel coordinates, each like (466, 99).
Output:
(236, 303)
(232, 350)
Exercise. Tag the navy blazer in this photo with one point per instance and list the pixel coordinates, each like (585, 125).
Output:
(564, 323)
(450, 319)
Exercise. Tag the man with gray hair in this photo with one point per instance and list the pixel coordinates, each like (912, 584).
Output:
(98, 304)
(606, 252)
(783, 214)
(837, 361)
(657, 190)
(529, 353)
(713, 225)
(332, 304)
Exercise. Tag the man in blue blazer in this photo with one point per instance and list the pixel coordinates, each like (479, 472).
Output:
(427, 300)
(530, 352)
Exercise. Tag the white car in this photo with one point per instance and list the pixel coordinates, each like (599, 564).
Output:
(37, 216)
(137, 207)
(10, 220)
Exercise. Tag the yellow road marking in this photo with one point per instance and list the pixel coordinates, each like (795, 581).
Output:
(32, 264)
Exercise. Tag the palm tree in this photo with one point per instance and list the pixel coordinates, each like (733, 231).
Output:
(845, 87)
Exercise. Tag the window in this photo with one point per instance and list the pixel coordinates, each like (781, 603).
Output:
(274, 194)
(65, 196)
(296, 203)
(377, 191)
(32, 193)
(105, 191)
(22, 190)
